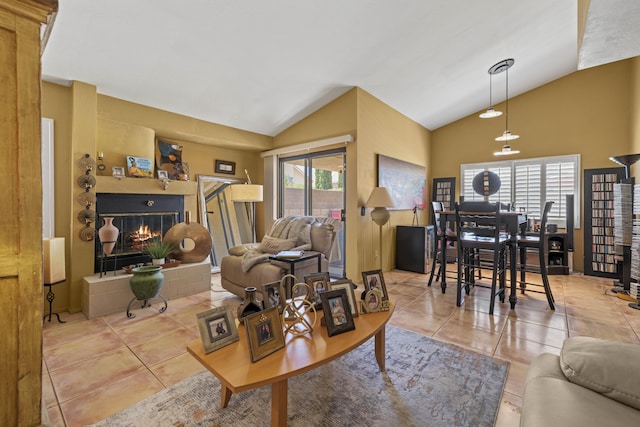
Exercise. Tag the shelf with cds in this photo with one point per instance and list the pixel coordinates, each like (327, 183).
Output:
(599, 221)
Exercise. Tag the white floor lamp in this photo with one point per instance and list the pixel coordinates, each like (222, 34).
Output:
(380, 200)
(249, 193)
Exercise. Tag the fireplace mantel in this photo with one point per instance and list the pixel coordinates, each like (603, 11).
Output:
(127, 185)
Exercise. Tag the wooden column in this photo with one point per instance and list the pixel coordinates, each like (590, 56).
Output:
(21, 221)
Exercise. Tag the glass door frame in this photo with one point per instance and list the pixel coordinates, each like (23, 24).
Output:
(308, 190)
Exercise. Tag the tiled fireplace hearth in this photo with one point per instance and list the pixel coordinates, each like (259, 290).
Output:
(111, 293)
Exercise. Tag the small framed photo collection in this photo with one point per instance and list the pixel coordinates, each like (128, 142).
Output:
(264, 333)
(217, 328)
(347, 285)
(273, 295)
(336, 311)
(318, 282)
(376, 297)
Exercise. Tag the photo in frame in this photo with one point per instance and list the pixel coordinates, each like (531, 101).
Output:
(405, 182)
(318, 282)
(217, 328)
(373, 279)
(264, 333)
(226, 167)
(372, 301)
(139, 167)
(337, 315)
(169, 158)
(347, 285)
(163, 175)
(273, 295)
(117, 171)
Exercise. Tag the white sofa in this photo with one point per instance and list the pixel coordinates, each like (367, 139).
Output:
(249, 264)
(593, 382)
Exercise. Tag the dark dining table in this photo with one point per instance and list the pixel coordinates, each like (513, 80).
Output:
(515, 223)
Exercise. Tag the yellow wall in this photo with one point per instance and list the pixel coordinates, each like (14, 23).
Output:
(87, 122)
(383, 130)
(377, 129)
(585, 113)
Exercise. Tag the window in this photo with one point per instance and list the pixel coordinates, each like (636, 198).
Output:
(529, 183)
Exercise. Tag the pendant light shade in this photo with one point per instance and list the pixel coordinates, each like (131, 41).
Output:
(490, 113)
(507, 136)
(506, 151)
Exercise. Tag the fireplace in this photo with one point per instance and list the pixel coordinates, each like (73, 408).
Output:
(140, 218)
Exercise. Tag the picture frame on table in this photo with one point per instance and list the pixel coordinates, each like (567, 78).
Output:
(226, 167)
(318, 282)
(337, 315)
(217, 328)
(273, 295)
(347, 285)
(163, 174)
(264, 333)
(372, 302)
(373, 279)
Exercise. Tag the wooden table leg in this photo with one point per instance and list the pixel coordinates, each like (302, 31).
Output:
(379, 348)
(279, 394)
(226, 396)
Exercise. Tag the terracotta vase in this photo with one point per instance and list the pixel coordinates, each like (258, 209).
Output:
(250, 304)
(108, 235)
(146, 281)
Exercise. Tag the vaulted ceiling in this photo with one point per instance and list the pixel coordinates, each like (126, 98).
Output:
(263, 65)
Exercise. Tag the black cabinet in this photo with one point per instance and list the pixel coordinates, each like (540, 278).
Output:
(414, 248)
(557, 253)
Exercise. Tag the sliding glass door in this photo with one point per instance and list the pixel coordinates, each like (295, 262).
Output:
(314, 184)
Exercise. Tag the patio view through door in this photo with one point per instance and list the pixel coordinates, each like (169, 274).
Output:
(313, 184)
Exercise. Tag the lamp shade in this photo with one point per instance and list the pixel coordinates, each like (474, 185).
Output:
(53, 260)
(246, 193)
(379, 198)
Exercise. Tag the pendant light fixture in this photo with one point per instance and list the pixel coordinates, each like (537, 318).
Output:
(490, 113)
(498, 68)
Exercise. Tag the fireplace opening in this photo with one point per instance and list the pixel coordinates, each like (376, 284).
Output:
(140, 219)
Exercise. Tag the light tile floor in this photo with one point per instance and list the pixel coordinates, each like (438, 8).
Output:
(94, 368)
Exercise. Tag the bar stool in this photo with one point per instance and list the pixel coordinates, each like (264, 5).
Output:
(481, 231)
(442, 240)
(536, 242)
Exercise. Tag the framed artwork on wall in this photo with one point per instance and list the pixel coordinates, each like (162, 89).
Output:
(405, 182)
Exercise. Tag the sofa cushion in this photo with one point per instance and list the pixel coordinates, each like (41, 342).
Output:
(321, 237)
(606, 367)
(273, 245)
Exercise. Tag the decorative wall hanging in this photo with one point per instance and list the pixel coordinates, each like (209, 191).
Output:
(405, 182)
(87, 182)
(169, 158)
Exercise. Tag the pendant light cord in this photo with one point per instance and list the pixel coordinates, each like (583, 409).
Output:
(506, 108)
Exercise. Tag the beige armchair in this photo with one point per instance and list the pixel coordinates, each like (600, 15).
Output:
(250, 264)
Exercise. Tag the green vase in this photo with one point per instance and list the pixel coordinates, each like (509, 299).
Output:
(146, 281)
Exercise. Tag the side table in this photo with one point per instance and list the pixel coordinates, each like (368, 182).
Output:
(50, 297)
(292, 265)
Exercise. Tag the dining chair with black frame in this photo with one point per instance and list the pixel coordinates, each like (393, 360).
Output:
(481, 232)
(536, 242)
(447, 240)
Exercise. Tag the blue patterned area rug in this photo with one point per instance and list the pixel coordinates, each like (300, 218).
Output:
(427, 383)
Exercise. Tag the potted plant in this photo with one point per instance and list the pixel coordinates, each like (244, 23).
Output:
(158, 250)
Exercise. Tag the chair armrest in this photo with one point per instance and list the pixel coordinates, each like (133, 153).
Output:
(239, 250)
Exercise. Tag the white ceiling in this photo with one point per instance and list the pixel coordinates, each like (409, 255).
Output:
(263, 65)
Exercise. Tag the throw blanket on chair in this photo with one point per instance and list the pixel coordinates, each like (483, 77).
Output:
(290, 227)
